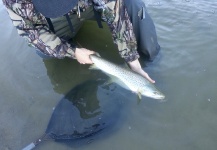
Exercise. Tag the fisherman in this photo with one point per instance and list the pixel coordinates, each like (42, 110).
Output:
(46, 25)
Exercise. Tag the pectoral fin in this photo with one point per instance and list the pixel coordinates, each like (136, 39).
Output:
(139, 95)
(93, 67)
(108, 82)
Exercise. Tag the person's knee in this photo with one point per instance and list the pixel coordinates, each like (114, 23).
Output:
(136, 4)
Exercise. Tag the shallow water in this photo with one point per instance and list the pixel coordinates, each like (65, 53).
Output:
(185, 71)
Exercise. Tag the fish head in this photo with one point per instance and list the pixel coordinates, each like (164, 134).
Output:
(152, 93)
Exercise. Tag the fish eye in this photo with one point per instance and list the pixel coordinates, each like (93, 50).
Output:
(155, 92)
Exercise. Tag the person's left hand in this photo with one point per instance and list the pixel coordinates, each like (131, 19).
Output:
(135, 66)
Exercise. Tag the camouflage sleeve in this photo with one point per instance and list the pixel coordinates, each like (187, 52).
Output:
(33, 27)
(116, 16)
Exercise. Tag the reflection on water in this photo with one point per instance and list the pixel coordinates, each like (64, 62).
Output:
(85, 111)
(185, 71)
(65, 73)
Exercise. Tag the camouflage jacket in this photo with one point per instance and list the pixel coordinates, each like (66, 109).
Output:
(33, 26)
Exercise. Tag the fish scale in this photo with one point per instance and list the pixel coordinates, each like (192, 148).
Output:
(134, 81)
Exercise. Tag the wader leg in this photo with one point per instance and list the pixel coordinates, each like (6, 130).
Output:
(143, 27)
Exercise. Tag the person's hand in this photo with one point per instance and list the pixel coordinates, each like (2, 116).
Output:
(82, 55)
(135, 66)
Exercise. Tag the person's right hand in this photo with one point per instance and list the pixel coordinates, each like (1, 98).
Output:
(83, 55)
(135, 66)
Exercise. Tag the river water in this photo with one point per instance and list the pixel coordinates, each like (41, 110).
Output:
(185, 71)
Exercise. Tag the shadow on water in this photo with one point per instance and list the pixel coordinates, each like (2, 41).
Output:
(87, 109)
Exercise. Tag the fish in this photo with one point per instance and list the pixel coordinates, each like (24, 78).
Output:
(134, 81)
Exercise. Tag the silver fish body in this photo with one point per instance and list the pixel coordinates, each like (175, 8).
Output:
(133, 81)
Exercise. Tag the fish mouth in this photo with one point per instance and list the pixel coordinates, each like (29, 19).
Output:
(160, 97)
